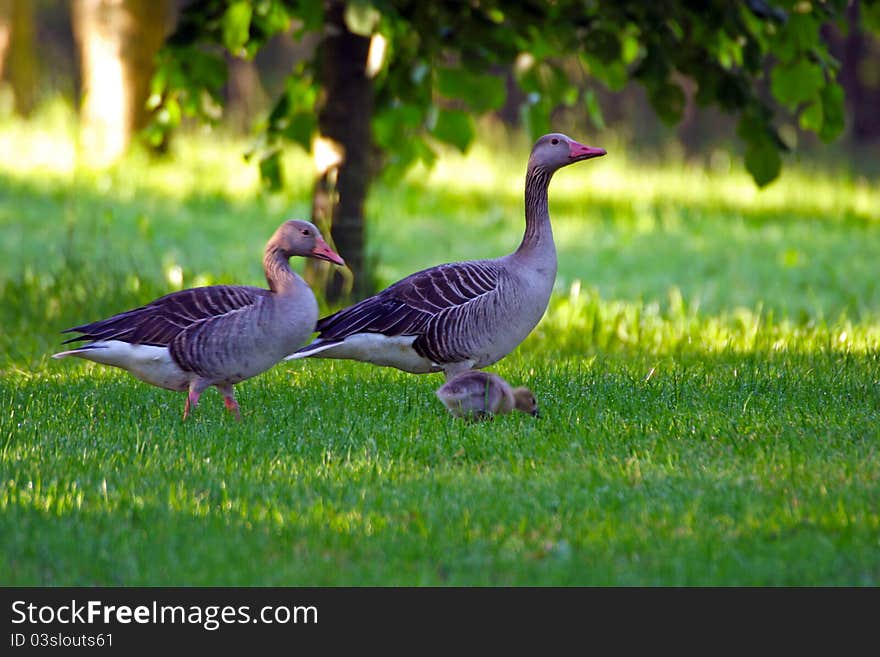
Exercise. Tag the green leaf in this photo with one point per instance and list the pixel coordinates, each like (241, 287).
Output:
(731, 92)
(274, 17)
(796, 83)
(454, 127)
(752, 126)
(536, 116)
(154, 133)
(654, 67)
(392, 126)
(482, 92)
(629, 49)
(200, 70)
(407, 153)
(549, 81)
(668, 101)
(310, 18)
(237, 26)
(811, 117)
(361, 17)
(613, 75)
(763, 162)
(270, 170)
(605, 45)
(594, 110)
(173, 116)
(800, 34)
(833, 114)
(300, 128)
(160, 80)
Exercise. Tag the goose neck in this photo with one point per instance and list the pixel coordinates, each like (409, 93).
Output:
(279, 275)
(538, 230)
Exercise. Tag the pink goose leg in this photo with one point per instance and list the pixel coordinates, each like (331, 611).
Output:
(196, 387)
(229, 399)
(192, 400)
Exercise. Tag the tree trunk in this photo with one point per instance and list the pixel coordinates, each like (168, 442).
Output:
(5, 31)
(858, 51)
(343, 179)
(245, 97)
(117, 41)
(858, 54)
(18, 53)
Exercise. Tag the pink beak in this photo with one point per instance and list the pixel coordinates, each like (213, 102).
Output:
(324, 252)
(578, 152)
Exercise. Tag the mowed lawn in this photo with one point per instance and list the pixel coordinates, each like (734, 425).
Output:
(708, 378)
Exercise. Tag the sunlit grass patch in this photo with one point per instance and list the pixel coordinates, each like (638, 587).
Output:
(582, 322)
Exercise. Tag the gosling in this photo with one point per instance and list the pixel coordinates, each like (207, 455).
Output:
(476, 395)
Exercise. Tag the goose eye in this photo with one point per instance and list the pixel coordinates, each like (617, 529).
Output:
(554, 141)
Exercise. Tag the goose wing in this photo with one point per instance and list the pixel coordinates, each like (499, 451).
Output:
(435, 305)
(159, 322)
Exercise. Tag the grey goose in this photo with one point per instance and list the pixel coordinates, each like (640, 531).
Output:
(463, 315)
(217, 335)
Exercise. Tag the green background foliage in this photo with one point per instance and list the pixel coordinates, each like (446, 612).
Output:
(443, 63)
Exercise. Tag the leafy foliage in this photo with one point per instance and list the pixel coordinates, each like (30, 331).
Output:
(443, 63)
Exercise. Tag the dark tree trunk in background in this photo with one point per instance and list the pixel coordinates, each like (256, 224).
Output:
(859, 54)
(344, 125)
(245, 97)
(18, 57)
(117, 40)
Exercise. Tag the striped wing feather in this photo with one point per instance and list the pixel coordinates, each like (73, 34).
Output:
(162, 320)
(429, 304)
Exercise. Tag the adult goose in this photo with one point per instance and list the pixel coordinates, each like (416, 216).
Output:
(218, 335)
(464, 315)
(481, 395)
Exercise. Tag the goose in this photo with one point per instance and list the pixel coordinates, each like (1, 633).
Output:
(480, 395)
(463, 315)
(217, 335)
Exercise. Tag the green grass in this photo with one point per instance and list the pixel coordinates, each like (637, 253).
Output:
(708, 376)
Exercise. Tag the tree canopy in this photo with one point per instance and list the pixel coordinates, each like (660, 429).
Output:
(441, 62)
(389, 80)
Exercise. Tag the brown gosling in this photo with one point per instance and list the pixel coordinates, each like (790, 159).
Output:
(476, 395)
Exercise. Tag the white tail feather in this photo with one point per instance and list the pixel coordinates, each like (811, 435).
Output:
(77, 352)
(316, 348)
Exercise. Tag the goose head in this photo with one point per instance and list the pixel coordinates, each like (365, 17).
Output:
(556, 150)
(524, 400)
(301, 238)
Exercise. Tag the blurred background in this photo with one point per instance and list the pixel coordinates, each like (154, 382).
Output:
(155, 144)
(52, 51)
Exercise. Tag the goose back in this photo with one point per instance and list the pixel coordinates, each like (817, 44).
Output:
(464, 315)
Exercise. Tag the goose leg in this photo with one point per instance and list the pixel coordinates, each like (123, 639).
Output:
(192, 400)
(229, 399)
(196, 387)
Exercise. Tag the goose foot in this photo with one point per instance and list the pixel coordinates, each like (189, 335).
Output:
(229, 400)
(192, 400)
(196, 388)
(232, 407)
